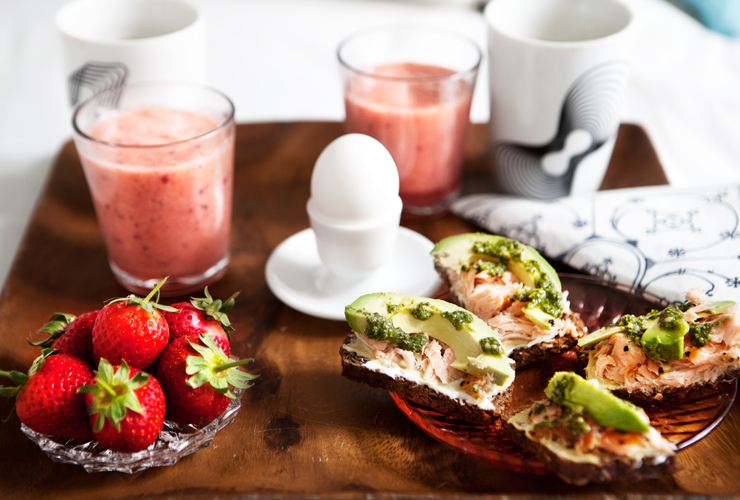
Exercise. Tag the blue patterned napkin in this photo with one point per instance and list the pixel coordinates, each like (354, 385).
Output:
(659, 240)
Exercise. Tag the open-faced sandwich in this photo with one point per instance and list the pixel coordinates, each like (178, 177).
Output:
(586, 434)
(514, 289)
(664, 354)
(434, 352)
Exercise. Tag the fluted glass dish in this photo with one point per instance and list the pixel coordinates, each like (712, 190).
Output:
(597, 304)
(173, 443)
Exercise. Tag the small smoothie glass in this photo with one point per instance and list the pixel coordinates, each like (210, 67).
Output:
(410, 87)
(159, 162)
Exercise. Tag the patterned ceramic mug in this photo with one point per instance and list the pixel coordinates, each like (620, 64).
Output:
(558, 72)
(111, 42)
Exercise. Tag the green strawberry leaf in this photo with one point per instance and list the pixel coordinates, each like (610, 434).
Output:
(205, 351)
(99, 423)
(114, 394)
(122, 374)
(145, 303)
(216, 309)
(18, 378)
(198, 379)
(131, 402)
(88, 389)
(195, 364)
(213, 367)
(139, 380)
(116, 413)
(39, 362)
(55, 327)
(8, 392)
(105, 370)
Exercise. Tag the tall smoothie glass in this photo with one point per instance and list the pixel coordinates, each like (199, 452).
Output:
(410, 87)
(159, 162)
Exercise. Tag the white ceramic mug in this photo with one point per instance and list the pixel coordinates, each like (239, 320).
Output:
(558, 72)
(111, 42)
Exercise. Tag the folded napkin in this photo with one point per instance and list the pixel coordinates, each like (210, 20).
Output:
(656, 240)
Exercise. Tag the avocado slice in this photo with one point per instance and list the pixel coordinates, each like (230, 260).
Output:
(599, 335)
(571, 390)
(456, 251)
(393, 317)
(663, 340)
(717, 308)
(540, 318)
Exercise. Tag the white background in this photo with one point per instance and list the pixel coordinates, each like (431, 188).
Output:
(276, 60)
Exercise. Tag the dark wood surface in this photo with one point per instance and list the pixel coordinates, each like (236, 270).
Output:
(303, 430)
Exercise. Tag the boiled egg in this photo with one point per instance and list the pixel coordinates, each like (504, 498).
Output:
(354, 180)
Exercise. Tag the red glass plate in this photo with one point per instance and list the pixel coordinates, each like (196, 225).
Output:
(598, 305)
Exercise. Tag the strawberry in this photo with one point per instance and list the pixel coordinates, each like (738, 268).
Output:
(197, 378)
(133, 329)
(203, 315)
(126, 407)
(71, 335)
(47, 401)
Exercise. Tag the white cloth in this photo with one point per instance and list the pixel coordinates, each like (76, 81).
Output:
(276, 60)
(659, 240)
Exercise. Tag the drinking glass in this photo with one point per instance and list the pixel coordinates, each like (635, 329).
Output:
(410, 87)
(159, 162)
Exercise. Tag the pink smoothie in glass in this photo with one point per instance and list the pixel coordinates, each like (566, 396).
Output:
(422, 117)
(162, 194)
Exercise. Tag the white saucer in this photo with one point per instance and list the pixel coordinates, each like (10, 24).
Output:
(297, 277)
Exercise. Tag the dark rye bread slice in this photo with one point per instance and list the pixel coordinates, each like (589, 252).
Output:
(537, 352)
(545, 350)
(583, 473)
(667, 394)
(353, 368)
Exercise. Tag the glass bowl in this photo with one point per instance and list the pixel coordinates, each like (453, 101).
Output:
(173, 443)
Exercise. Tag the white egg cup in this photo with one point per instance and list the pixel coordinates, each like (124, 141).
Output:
(354, 251)
(355, 245)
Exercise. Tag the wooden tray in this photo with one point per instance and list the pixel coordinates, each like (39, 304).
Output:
(303, 430)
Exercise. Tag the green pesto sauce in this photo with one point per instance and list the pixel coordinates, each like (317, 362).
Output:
(538, 408)
(493, 268)
(459, 319)
(504, 249)
(393, 308)
(577, 425)
(383, 329)
(541, 280)
(570, 419)
(423, 311)
(685, 306)
(555, 391)
(670, 319)
(701, 333)
(491, 345)
(547, 299)
(633, 326)
(543, 296)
